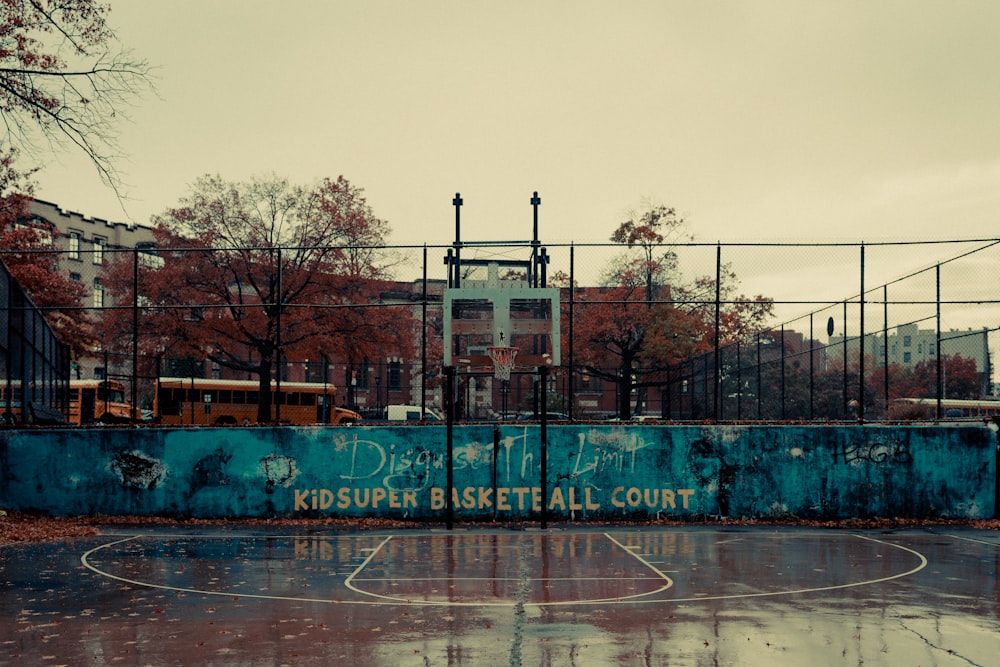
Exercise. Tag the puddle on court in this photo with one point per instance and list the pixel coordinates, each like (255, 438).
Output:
(504, 598)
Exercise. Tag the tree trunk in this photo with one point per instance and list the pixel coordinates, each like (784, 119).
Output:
(264, 390)
(624, 396)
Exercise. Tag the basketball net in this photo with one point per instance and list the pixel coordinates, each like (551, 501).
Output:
(503, 361)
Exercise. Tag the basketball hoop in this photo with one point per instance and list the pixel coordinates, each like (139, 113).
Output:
(503, 361)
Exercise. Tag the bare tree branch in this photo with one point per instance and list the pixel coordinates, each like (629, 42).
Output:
(63, 81)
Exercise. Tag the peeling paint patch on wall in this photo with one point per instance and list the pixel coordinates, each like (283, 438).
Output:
(138, 470)
(278, 470)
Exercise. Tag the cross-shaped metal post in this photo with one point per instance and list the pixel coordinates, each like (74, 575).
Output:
(535, 201)
(457, 201)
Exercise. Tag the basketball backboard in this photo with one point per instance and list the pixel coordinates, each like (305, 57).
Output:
(501, 313)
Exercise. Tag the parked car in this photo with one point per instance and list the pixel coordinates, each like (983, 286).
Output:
(410, 413)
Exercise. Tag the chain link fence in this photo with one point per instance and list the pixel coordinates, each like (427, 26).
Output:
(34, 364)
(691, 331)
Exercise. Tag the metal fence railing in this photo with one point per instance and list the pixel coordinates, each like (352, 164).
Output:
(34, 364)
(690, 331)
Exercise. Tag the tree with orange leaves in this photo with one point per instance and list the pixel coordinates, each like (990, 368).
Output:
(647, 317)
(250, 275)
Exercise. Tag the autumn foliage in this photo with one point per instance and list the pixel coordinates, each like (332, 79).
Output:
(648, 317)
(62, 81)
(248, 275)
(29, 251)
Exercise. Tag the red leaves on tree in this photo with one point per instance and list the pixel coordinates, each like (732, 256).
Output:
(246, 268)
(28, 249)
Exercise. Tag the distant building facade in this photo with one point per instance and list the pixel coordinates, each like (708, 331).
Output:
(908, 345)
(84, 242)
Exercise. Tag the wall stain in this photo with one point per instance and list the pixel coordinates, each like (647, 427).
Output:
(138, 470)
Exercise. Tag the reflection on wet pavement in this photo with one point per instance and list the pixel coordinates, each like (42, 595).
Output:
(687, 596)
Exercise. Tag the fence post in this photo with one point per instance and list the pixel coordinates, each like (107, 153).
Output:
(717, 375)
(423, 342)
(134, 394)
(543, 372)
(665, 411)
(739, 381)
(783, 364)
(885, 346)
(455, 269)
(760, 370)
(276, 396)
(571, 380)
(940, 362)
(861, 343)
(812, 371)
(449, 405)
(847, 410)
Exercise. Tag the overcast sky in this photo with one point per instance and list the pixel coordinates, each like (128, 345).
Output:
(772, 120)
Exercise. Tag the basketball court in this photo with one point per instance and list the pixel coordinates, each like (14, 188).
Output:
(244, 594)
(686, 595)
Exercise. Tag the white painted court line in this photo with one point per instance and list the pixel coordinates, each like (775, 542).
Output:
(659, 573)
(510, 603)
(85, 559)
(819, 589)
(350, 578)
(970, 539)
(382, 600)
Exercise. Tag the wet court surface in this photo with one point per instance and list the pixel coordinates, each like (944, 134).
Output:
(593, 596)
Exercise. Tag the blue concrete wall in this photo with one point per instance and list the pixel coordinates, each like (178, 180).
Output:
(594, 471)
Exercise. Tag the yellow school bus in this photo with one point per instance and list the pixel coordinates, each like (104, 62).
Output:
(204, 402)
(93, 401)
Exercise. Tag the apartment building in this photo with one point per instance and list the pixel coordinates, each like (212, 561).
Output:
(907, 345)
(85, 242)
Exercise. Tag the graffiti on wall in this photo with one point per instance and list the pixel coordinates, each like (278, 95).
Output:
(875, 452)
(381, 470)
(606, 471)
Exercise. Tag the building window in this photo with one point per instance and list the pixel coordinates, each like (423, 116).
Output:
(99, 249)
(316, 370)
(74, 245)
(361, 377)
(395, 374)
(906, 341)
(906, 357)
(98, 293)
(75, 276)
(42, 228)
